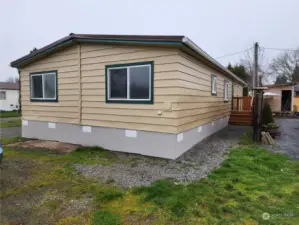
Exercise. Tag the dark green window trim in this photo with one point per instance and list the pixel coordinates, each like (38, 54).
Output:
(233, 93)
(44, 100)
(213, 76)
(130, 101)
(226, 82)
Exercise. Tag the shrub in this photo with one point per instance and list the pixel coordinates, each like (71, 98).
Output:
(267, 114)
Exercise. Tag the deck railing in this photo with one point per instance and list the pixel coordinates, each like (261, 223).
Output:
(242, 103)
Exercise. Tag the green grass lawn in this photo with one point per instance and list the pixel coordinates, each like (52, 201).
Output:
(250, 182)
(7, 114)
(10, 123)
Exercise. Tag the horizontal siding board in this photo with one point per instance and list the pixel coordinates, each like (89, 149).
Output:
(99, 112)
(92, 56)
(130, 119)
(51, 119)
(133, 107)
(72, 115)
(26, 102)
(50, 108)
(133, 126)
(201, 121)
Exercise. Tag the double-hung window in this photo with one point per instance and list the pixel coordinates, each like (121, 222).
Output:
(226, 91)
(2, 95)
(214, 84)
(43, 86)
(130, 83)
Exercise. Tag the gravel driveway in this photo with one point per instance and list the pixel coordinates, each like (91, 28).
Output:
(136, 170)
(10, 131)
(288, 142)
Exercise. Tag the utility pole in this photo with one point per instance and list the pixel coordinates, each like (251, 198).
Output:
(257, 99)
(256, 67)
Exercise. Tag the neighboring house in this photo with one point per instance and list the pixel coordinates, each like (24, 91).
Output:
(9, 96)
(287, 97)
(152, 95)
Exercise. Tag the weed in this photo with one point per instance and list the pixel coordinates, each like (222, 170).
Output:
(105, 217)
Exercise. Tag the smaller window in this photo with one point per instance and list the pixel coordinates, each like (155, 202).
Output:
(297, 93)
(214, 84)
(226, 91)
(43, 86)
(2, 95)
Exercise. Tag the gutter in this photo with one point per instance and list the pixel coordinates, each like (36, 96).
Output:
(199, 51)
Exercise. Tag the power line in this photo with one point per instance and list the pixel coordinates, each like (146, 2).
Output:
(233, 53)
(281, 49)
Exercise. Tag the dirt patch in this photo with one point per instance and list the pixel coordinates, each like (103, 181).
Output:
(52, 145)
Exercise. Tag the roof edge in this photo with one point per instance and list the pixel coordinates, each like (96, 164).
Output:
(198, 50)
(171, 40)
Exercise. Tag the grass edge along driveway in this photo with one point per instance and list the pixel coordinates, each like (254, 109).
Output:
(249, 183)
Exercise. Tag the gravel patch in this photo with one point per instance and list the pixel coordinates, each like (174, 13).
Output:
(43, 144)
(135, 170)
(288, 142)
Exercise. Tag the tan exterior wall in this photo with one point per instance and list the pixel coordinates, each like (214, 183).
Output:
(196, 105)
(238, 90)
(94, 109)
(275, 102)
(67, 108)
(96, 112)
(296, 102)
(182, 90)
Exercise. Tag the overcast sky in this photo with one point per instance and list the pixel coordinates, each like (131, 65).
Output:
(218, 27)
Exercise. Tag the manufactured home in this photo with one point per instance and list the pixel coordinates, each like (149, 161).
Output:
(151, 95)
(9, 96)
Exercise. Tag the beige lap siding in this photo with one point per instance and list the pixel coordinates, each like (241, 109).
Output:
(238, 90)
(95, 110)
(67, 108)
(196, 105)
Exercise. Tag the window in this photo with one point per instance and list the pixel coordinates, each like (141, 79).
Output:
(2, 95)
(130, 83)
(214, 84)
(226, 91)
(43, 86)
(297, 93)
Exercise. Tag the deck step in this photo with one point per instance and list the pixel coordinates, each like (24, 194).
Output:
(241, 118)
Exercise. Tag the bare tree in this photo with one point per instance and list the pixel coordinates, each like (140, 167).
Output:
(286, 65)
(263, 68)
(12, 79)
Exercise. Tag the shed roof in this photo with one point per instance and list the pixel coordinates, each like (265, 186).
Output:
(179, 40)
(9, 86)
(280, 85)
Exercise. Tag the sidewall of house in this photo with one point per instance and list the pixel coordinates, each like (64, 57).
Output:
(183, 113)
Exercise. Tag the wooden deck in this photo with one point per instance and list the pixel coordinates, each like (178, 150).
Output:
(241, 113)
